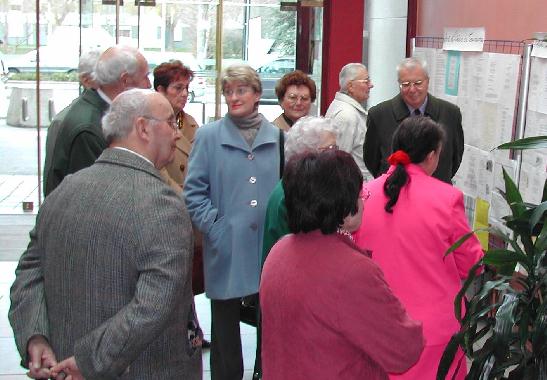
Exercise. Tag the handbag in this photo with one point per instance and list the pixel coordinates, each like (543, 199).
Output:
(249, 310)
(198, 282)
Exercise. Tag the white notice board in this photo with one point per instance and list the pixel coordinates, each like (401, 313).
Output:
(485, 87)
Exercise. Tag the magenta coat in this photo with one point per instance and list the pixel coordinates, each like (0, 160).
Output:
(409, 245)
(327, 313)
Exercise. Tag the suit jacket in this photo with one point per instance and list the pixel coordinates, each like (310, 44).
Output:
(79, 141)
(383, 120)
(106, 276)
(410, 244)
(226, 192)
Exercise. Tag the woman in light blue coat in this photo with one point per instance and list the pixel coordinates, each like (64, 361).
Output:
(233, 167)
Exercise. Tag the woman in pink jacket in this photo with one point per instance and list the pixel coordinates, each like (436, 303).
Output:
(409, 222)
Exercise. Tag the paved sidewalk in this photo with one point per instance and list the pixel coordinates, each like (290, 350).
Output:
(16, 189)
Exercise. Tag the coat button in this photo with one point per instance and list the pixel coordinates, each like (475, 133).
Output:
(252, 180)
(182, 167)
(251, 156)
(253, 203)
(254, 226)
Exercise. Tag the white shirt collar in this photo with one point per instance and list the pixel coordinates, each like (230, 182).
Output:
(104, 96)
(421, 108)
(135, 153)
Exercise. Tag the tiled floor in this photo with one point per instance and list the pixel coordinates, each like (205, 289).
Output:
(13, 240)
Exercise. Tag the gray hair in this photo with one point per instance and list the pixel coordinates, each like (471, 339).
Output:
(412, 63)
(88, 60)
(115, 61)
(244, 74)
(305, 135)
(119, 120)
(349, 73)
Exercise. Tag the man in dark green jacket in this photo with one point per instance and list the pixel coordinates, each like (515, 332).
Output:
(413, 100)
(80, 138)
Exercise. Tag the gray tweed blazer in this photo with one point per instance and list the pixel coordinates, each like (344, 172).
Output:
(107, 274)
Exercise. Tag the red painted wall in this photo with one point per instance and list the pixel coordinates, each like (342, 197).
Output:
(502, 19)
(343, 24)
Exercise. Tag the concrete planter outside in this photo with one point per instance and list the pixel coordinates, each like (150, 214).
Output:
(54, 96)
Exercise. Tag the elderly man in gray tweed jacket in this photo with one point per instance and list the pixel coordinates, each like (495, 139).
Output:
(104, 289)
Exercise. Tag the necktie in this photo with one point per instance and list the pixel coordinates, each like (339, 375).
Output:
(417, 112)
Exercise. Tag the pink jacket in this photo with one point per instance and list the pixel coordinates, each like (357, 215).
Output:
(409, 245)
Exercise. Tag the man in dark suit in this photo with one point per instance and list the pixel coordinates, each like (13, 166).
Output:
(79, 137)
(413, 99)
(105, 284)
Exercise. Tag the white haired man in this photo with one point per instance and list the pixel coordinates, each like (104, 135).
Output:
(104, 286)
(348, 112)
(413, 99)
(86, 67)
(80, 139)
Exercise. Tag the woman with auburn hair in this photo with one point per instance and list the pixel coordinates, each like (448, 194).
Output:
(296, 92)
(172, 80)
(410, 221)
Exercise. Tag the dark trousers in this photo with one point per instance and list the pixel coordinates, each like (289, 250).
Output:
(226, 353)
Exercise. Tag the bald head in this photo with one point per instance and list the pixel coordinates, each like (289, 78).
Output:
(119, 121)
(143, 121)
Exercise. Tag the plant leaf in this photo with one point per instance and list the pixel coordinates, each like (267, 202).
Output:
(498, 257)
(537, 215)
(462, 240)
(448, 355)
(541, 241)
(513, 196)
(503, 329)
(539, 336)
(468, 281)
(536, 142)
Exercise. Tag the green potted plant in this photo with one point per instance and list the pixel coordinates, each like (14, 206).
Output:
(504, 328)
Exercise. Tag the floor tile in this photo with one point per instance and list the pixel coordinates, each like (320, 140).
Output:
(9, 365)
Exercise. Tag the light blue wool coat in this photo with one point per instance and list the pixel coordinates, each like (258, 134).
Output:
(226, 191)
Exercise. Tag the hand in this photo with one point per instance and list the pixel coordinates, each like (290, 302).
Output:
(41, 357)
(67, 370)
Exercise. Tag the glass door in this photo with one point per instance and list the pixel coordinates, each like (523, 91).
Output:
(37, 83)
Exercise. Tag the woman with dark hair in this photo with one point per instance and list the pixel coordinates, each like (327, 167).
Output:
(409, 222)
(296, 92)
(320, 293)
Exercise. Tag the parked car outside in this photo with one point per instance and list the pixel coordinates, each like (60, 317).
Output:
(270, 73)
(52, 60)
(197, 86)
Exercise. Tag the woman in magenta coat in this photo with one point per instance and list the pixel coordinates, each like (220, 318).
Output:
(409, 222)
(322, 296)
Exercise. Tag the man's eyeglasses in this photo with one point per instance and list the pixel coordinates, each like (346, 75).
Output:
(367, 80)
(239, 91)
(407, 85)
(293, 98)
(170, 121)
(328, 147)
